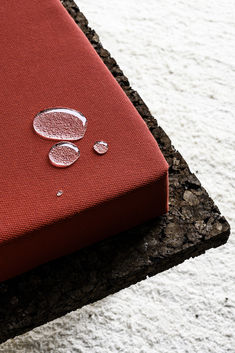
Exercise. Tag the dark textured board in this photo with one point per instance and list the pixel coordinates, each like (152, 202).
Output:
(193, 225)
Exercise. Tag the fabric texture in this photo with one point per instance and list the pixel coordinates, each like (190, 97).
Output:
(46, 61)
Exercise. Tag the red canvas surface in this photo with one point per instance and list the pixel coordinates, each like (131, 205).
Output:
(46, 61)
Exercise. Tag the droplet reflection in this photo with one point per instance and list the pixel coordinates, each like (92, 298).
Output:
(60, 124)
(100, 147)
(59, 193)
(63, 154)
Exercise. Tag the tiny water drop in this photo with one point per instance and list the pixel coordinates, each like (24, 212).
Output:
(59, 193)
(63, 154)
(101, 147)
(60, 124)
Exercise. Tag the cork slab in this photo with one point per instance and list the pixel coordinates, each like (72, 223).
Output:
(193, 225)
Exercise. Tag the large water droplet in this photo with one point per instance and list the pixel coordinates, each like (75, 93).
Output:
(100, 147)
(63, 154)
(60, 124)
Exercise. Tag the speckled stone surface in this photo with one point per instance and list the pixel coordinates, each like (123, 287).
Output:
(193, 225)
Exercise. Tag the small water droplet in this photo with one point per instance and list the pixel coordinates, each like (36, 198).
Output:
(60, 124)
(100, 147)
(63, 154)
(59, 193)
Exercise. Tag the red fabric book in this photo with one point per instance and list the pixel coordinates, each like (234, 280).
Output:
(46, 61)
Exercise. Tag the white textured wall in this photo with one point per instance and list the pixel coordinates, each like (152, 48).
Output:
(180, 56)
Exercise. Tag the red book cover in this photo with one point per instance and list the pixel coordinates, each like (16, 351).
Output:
(47, 62)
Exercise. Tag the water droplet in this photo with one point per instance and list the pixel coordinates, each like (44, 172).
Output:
(100, 147)
(59, 193)
(63, 154)
(60, 124)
